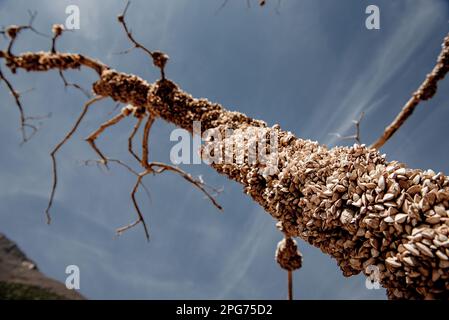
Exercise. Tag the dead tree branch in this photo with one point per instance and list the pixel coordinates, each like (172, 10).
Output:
(425, 92)
(24, 123)
(58, 146)
(350, 202)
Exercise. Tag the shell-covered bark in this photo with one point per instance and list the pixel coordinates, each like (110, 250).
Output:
(350, 202)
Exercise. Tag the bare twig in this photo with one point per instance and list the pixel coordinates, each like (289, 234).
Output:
(123, 164)
(23, 118)
(94, 135)
(355, 136)
(57, 30)
(131, 137)
(159, 58)
(197, 183)
(425, 92)
(157, 168)
(137, 208)
(74, 85)
(290, 284)
(13, 31)
(58, 146)
(145, 141)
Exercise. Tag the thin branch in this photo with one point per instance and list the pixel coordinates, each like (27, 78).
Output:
(57, 30)
(159, 58)
(140, 219)
(145, 140)
(355, 136)
(58, 146)
(13, 31)
(123, 164)
(290, 284)
(131, 137)
(93, 136)
(197, 183)
(121, 19)
(157, 168)
(425, 92)
(74, 85)
(33, 16)
(23, 118)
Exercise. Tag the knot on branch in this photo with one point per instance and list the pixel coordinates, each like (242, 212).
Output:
(288, 255)
(122, 87)
(43, 61)
(160, 60)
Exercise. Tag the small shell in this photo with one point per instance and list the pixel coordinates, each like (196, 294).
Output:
(441, 255)
(381, 183)
(400, 217)
(412, 249)
(393, 262)
(424, 249)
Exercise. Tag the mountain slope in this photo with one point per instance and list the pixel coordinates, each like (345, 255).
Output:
(20, 278)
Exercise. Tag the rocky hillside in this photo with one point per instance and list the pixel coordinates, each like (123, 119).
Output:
(20, 278)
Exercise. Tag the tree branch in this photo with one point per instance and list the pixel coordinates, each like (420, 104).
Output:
(350, 202)
(425, 92)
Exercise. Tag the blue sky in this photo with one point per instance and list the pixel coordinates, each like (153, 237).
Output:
(312, 68)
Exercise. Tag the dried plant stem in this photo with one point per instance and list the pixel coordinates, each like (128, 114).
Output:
(355, 136)
(58, 146)
(145, 141)
(425, 92)
(290, 284)
(16, 95)
(94, 135)
(131, 137)
(74, 85)
(159, 58)
(136, 206)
